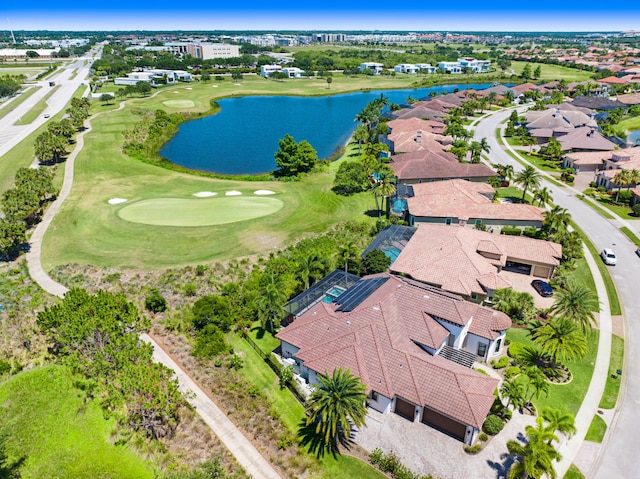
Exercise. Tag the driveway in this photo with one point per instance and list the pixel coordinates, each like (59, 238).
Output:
(425, 450)
(522, 282)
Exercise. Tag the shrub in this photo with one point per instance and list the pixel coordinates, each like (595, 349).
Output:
(190, 289)
(636, 209)
(235, 362)
(515, 349)
(286, 375)
(511, 231)
(376, 261)
(155, 302)
(511, 372)
(472, 449)
(531, 232)
(212, 310)
(483, 437)
(492, 425)
(210, 342)
(376, 456)
(503, 362)
(200, 270)
(625, 197)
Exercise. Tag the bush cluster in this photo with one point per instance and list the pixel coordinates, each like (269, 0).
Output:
(492, 425)
(390, 463)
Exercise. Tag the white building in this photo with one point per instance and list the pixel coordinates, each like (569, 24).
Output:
(267, 70)
(150, 76)
(426, 67)
(476, 66)
(293, 72)
(450, 67)
(407, 68)
(376, 68)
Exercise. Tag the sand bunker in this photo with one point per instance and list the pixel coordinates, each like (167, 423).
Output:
(233, 193)
(264, 192)
(179, 103)
(188, 88)
(214, 86)
(116, 201)
(204, 194)
(237, 84)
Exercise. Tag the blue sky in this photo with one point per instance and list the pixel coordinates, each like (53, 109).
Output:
(492, 15)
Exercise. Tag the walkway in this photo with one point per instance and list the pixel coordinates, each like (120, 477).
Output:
(242, 449)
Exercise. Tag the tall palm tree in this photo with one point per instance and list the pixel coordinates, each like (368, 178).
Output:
(537, 383)
(476, 151)
(536, 456)
(385, 187)
(336, 403)
(621, 178)
(556, 220)
(514, 392)
(542, 196)
(505, 171)
(561, 340)
(348, 251)
(361, 135)
(312, 266)
(576, 302)
(528, 178)
(484, 144)
(559, 421)
(634, 178)
(270, 301)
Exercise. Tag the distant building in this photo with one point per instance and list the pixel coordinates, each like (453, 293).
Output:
(376, 68)
(267, 70)
(406, 68)
(154, 77)
(471, 64)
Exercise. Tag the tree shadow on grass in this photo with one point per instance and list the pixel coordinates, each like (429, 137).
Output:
(316, 444)
(374, 213)
(9, 470)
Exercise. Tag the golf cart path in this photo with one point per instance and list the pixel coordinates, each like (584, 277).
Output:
(242, 449)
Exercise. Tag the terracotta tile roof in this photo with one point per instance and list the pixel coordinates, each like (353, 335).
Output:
(568, 106)
(598, 157)
(585, 138)
(629, 98)
(414, 124)
(435, 165)
(613, 80)
(465, 199)
(378, 341)
(410, 141)
(451, 257)
(555, 118)
(419, 112)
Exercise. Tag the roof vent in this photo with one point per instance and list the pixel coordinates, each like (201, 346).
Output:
(348, 323)
(376, 308)
(426, 296)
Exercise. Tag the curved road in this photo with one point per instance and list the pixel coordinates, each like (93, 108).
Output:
(618, 457)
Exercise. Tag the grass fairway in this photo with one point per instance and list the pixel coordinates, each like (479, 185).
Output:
(199, 212)
(57, 434)
(553, 72)
(87, 230)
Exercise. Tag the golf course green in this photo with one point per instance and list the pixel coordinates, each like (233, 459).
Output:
(198, 212)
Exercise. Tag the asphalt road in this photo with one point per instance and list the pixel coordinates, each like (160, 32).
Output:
(618, 456)
(11, 135)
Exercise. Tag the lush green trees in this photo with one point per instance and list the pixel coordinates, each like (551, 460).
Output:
(528, 178)
(313, 266)
(12, 235)
(542, 196)
(270, 301)
(385, 187)
(519, 306)
(552, 151)
(294, 158)
(514, 391)
(559, 421)
(336, 403)
(9, 86)
(155, 302)
(375, 261)
(98, 337)
(351, 177)
(214, 310)
(50, 146)
(536, 456)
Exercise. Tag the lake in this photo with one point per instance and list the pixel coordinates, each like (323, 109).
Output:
(243, 136)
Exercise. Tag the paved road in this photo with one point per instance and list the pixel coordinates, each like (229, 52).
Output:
(11, 135)
(618, 457)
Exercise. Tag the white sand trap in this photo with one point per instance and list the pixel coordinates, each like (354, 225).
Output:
(179, 103)
(188, 88)
(117, 201)
(264, 192)
(214, 86)
(204, 194)
(233, 193)
(174, 91)
(237, 84)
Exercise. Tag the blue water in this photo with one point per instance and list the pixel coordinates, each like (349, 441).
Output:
(243, 136)
(392, 253)
(634, 136)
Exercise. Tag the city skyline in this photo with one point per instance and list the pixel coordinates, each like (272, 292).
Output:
(500, 15)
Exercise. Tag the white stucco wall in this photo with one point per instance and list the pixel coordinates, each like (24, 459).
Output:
(383, 404)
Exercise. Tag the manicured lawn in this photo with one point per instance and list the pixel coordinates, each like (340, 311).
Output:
(631, 235)
(9, 106)
(567, 397)
(596, 430)
(37, 109)
(612, 386)
(612, 294)
(583, 275)
(628, 124)
(513, 193)
(59, 434)
(553, 72)
(573, 473)
(291, 411)
(539, 162)
(623, 212)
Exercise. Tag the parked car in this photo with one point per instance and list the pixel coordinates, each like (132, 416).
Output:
(638, 251)
(609, 257)
(46, 115)
(542, 287)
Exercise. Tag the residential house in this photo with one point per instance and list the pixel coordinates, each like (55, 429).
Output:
(585, 139)
(426, 67)
(415, 134)
(375, 68)
(613, 161)
(473, 263)
(436, 165)
(406, 68)
(267, 70)
(154, 77)
(553, 123)
(475, 66)
(450, 67)
(466, 203)
(413, 347)
(293, 72)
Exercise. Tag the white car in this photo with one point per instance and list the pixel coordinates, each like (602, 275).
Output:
(609, 257)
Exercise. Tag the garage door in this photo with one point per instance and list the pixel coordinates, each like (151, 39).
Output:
(405, 409)
(516, 267)
(542, 271)
(443, 423)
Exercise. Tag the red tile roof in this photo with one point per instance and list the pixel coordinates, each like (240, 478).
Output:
(435, 165)
(465, 261)
(378, 342)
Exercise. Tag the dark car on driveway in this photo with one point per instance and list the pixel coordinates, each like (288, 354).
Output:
(542, 287)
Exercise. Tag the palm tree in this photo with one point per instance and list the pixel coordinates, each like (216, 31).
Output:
(561, 339)
(536, 456)
(312, 266)
(527, 178)
(559, 421)
(537, 383)
(621, 178)
(270, 301)
(514, 392)
(542, 196)
(476, 151)
(505, 171)
(556, 220)
(348, 251)
(484, 144)
(634, 178)
(385, 187)
(336, 403)
(361, 135)
(576, 302)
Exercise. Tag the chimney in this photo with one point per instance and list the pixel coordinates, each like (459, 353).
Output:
(419, 136)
